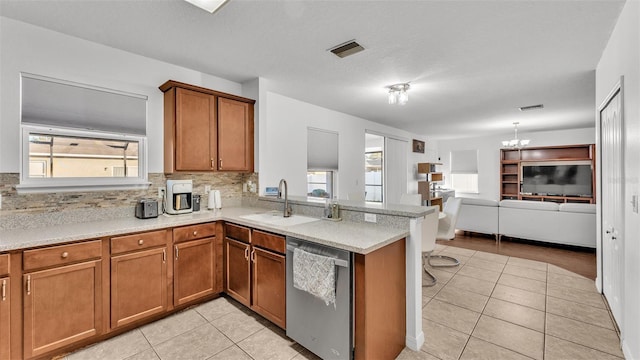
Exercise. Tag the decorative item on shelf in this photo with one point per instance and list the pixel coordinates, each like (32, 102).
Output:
(398, 94)
(515, 143)
(418, 146)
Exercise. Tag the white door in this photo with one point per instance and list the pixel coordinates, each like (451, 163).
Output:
(612, 197)
(395, 169)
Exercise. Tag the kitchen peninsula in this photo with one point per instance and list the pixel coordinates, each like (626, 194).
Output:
(34, 252)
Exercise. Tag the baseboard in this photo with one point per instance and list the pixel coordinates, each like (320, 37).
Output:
(416, 343)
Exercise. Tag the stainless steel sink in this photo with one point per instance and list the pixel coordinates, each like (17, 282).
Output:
(277, 219)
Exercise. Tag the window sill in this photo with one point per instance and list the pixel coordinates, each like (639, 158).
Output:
(51, 188)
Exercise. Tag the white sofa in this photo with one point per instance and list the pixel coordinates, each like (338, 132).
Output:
(570, 224)
(479, 215)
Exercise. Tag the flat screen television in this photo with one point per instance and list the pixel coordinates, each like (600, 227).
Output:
(560, 180)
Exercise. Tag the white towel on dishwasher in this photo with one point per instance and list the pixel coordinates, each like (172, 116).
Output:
(315, 274)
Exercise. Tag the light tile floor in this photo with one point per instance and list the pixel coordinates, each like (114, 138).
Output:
(490, 307)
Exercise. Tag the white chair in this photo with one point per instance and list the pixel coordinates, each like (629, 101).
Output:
(447, 230)
(429, 229)
(357, 196)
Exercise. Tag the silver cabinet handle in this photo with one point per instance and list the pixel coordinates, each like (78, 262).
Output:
(4, 290)
(140, 242)
(164, 256)
(64, 255)
(176, 248)
(28, 284)
(246, 254)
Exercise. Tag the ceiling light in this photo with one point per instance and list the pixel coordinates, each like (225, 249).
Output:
(515, 143)
(398, 94)
(208, 5)
(345, 49)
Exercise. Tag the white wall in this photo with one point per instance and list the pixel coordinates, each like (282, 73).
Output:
(489, 154)
(283, 143)
(621, 57)
(27, 48)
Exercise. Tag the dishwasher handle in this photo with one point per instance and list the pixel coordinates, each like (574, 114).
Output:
(338, 262)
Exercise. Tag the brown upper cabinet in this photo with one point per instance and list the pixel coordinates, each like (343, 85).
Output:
(206, 130)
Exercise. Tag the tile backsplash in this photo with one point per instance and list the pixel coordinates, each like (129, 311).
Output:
(229, 184)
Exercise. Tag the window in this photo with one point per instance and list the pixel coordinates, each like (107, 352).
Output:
(80, 137)
(322, 162)
(320, 184)
(464, 171)
(373, 176)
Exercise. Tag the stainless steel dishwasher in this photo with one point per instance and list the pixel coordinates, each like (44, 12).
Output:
(324, 330)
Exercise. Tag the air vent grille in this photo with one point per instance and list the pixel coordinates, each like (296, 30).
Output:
(346, 49)
(532, 107)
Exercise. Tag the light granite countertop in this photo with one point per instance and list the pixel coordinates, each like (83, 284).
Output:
(361, 238)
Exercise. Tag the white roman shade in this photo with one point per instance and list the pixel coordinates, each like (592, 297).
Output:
(464, 162)
(52, 102)
(322, 150)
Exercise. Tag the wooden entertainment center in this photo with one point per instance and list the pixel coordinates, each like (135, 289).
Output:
(511, 177)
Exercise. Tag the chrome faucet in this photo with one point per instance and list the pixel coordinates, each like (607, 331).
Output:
(287, 209)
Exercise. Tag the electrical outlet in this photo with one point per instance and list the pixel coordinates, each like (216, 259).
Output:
(161, 191)
(207, 189)
(370, 217)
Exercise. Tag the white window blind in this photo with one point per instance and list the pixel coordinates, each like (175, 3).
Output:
(322, 149)
(59, 103)
(464, 162)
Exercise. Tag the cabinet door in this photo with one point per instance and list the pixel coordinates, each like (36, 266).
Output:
(238, 271)
(269, 287)
(194, 270)
(138, 286)
(61, 306)
(195, 130)
(5, 323)
(235, 136)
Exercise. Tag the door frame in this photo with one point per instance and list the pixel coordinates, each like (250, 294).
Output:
(618, 88)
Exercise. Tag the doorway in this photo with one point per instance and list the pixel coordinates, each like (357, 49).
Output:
(612, 200)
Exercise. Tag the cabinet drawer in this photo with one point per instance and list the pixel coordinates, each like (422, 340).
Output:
(237, 232)
(268, 241)
(61, 255)
(4, 264)
(194, 232)
(122, 244)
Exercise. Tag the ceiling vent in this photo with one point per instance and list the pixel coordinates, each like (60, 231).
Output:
(349, 48)
(531, 107)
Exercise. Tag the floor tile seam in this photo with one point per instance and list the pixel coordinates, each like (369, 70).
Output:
(527, 306)
(477, 293)
(184, 332)
(228, 347)
(502, 347)
(584, 322)
(588, 347)
(512, 323)
(576, 302)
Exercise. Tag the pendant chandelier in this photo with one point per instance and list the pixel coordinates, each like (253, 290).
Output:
(515, 143)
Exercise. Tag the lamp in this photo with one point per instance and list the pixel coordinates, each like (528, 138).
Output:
(398, 94)
(515, 143)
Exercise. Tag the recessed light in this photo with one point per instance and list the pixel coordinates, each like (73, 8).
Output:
(531, 107)
(208, 5)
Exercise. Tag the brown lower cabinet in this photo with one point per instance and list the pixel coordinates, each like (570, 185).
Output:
(62, 305)
(138, 285)
(194, 270)
(256, 271)
(5, 323)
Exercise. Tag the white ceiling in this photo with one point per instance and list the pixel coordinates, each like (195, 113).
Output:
(471, 64)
